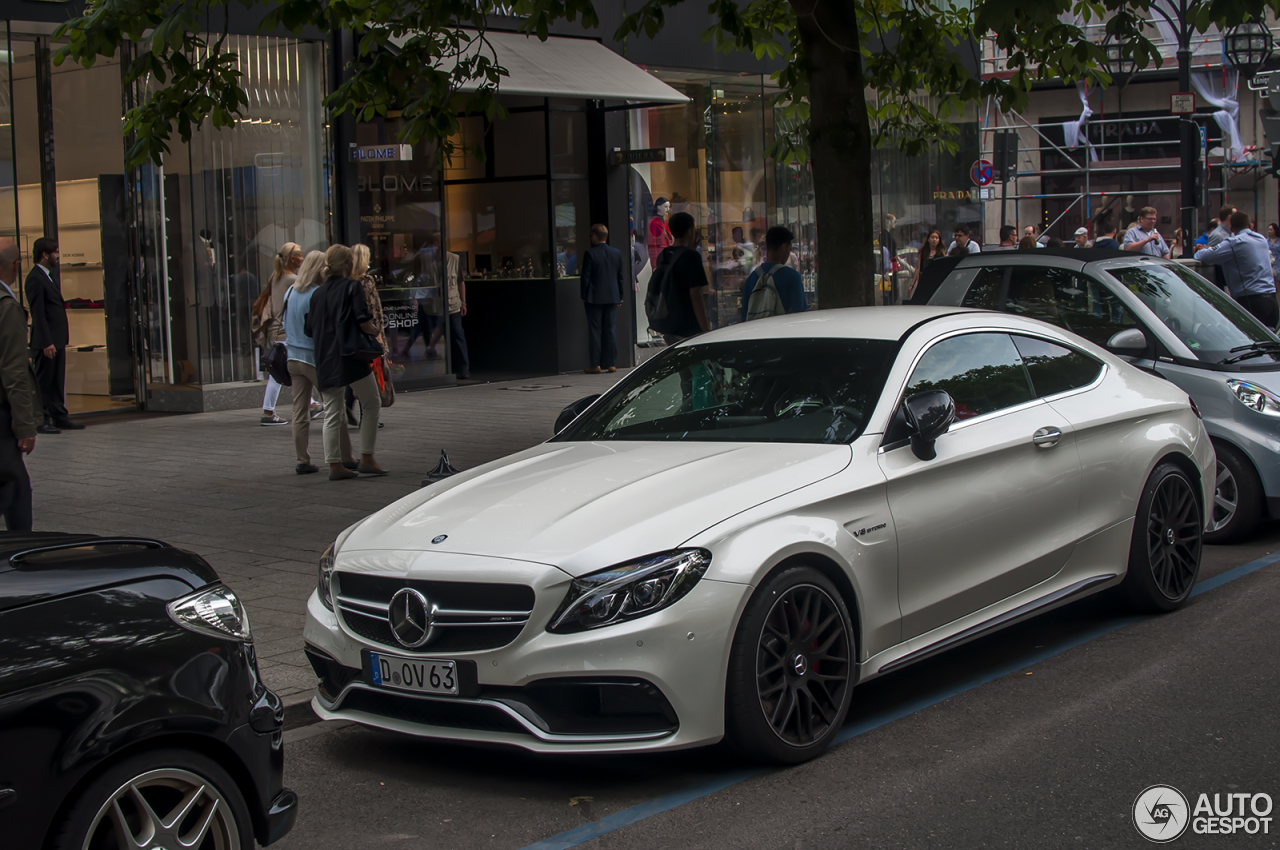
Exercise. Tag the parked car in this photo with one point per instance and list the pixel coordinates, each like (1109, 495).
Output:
(1165, 319)
(753, 522)
(132, 714)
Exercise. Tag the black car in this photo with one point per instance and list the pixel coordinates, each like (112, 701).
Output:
(131, 706)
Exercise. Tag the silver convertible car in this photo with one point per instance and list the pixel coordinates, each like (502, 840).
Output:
(753, 522)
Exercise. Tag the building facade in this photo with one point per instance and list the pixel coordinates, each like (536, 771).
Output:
(161, 263)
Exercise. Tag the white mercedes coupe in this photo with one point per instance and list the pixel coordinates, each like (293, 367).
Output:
(747, 526)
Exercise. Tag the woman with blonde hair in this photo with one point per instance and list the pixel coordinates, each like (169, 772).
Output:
(340, 323)
(302, 362)
(360, 257)
(268, 311)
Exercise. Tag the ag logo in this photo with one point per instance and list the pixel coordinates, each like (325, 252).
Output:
(1161, 813)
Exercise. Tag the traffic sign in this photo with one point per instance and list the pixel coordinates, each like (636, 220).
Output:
(1182, 103)
(981, 173)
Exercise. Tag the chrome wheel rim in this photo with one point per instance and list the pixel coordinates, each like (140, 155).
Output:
(803, 665)
(1226, 498)
(165, 809)
(1174, 537)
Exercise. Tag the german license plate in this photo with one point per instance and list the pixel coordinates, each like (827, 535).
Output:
(425, 675)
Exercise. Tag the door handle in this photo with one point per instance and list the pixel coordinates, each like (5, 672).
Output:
(1046, 438)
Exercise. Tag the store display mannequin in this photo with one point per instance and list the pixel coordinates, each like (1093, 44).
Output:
(1130, 212)
(659, 234)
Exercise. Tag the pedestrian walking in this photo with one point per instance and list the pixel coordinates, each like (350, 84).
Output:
(1244, 264)
(360, 255)
(601, 290)
(49, 335)
(1144, 238)
(787, 286)
(1222, 232)
(933, 249)
(340, 324)
(1107, 227)
(20, 405)
(302, 364)
(1081, 238)
(674, 303)
(267, 311)
(962, 243)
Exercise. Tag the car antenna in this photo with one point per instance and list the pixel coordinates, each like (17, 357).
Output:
(442, 471)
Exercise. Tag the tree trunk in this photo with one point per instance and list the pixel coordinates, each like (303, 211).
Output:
(840, 147)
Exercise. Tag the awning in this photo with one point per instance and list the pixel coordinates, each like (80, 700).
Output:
(571, 68)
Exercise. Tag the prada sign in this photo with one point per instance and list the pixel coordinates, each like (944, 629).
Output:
(382, 153)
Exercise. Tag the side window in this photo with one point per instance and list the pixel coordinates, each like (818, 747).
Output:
(1059, 297)
(981, 372)
(1053, 368)
(984, 294)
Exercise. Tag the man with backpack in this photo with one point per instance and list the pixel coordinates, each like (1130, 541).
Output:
(673, 303)
(774, 288)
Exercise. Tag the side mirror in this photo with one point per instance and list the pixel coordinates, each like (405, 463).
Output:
(929, 415)
(1131, 340)
(573, 411)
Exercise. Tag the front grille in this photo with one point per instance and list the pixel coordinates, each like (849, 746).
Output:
(468, 616)
(453, 715)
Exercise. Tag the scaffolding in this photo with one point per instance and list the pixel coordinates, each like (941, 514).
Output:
(1013, 121)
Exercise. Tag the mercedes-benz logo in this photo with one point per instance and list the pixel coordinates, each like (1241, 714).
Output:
(800, 664)
(409, 615)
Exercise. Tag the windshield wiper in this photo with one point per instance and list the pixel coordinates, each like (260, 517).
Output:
(1255, 346)
(1252, 350)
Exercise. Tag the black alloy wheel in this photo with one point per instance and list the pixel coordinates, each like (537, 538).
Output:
(1168, 537)
(791, 671)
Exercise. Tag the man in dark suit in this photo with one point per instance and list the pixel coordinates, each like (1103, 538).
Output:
(49, 335)
(602, 291)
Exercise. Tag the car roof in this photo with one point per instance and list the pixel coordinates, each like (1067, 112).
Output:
(1072, 258)
(840, 323)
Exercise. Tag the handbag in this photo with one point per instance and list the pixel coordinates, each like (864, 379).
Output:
(355, 343)
(275, 360)
(386, 389)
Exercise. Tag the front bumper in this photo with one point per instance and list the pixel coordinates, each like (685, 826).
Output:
(680, 652)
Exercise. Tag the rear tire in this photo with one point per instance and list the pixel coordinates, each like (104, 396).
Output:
(143, 792)
(1237, 496)
(791, 669)
(1167, 542)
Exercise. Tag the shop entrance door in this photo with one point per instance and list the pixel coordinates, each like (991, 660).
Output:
(68, 182)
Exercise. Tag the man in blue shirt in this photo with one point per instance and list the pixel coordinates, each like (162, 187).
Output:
(790, 286)
(1244, 263)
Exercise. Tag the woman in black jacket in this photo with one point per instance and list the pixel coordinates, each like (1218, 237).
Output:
(337, 311)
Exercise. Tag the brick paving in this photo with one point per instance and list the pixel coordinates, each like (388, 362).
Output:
(223, 486)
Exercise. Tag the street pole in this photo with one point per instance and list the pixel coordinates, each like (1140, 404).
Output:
(1189, 133)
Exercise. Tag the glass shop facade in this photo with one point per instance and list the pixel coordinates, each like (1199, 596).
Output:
(160, 264)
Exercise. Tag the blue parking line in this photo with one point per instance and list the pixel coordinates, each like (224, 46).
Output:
(641, 811)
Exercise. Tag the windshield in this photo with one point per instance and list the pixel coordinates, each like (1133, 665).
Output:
(1208, 322)
(761, 391)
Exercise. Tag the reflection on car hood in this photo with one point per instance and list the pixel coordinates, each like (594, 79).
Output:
(584, 506)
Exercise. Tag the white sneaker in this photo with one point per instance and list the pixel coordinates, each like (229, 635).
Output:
(317, 411)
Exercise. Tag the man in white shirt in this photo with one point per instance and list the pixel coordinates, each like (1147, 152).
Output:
(963, 242)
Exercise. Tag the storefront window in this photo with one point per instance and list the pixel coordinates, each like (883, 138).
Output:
(217, 212)
(520, 145)
(568, 142)
(500, 229)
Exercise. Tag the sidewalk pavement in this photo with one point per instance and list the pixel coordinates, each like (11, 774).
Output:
(221, 485)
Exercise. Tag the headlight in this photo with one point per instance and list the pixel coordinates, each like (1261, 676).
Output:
(215, 611)
(1255, 397)
(629, 590)
(324, 584)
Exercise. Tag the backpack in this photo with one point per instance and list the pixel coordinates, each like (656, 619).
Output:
(765, 300)
(658, 298)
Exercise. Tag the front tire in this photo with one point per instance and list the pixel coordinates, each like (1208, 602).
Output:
(1167, 542)
(790, 669)
(162, 798)
(1237, 496)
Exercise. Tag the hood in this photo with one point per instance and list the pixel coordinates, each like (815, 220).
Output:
(584, 506)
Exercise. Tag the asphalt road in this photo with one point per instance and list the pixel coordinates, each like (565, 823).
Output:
(1042, 736)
